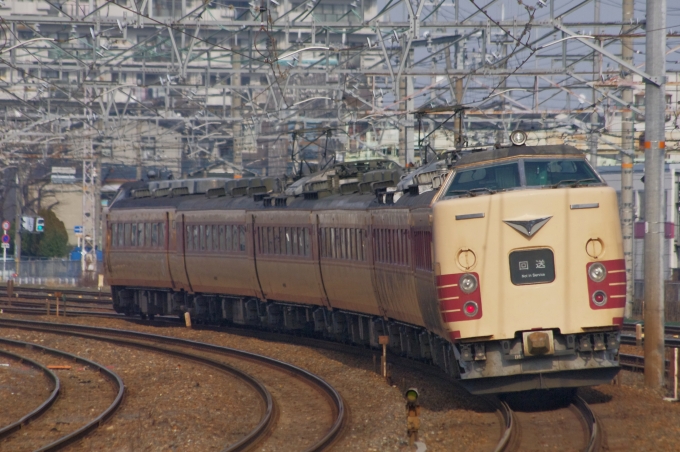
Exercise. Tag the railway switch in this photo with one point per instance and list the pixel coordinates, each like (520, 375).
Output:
(412, 413)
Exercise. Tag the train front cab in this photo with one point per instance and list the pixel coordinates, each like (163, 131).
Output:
(530, 272)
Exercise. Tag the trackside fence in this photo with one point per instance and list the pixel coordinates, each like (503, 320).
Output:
(50, 272)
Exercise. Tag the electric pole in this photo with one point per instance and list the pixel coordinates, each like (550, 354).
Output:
(655, 112)
(628, 145)
(17, 219)
(594, 118)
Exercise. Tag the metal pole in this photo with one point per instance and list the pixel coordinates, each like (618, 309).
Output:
(17, 222)
(594, 118)
(628, 144)
(655, 110)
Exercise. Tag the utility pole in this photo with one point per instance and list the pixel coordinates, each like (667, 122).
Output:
(655, 111)
(17, 219)
(237, 127)
(628, 145)
(90, 179)
(594, 118)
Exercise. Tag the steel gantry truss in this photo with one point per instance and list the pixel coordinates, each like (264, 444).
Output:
(188, 86)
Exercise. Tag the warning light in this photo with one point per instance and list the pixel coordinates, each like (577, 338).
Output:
(411, 395)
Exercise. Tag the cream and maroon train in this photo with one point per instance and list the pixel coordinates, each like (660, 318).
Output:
(505, 267)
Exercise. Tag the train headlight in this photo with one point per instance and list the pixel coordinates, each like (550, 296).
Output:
(597, 272)
(468, 283)
(518, 138)
(470, 308)
(599, 298)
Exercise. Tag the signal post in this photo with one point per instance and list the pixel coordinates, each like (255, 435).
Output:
(5, 244)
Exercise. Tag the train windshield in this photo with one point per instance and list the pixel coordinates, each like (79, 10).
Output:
(559, 172)
(553, 173)
(486, 179)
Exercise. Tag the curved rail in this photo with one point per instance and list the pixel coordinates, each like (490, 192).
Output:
(338, 404)
(595, 437)
(14, 426)
(90, 426)
(510, 431)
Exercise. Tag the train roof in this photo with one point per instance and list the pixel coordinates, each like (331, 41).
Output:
(561, 150)
(367, 185)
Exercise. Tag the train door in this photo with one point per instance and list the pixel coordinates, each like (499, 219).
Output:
(170, 243)
(176, 243)
(107, 247)
(183, 248)
(251, 230)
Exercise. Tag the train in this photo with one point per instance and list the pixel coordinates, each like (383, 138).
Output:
(502, 266)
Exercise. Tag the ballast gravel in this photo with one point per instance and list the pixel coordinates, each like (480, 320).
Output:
(451, 419)
(167, 401)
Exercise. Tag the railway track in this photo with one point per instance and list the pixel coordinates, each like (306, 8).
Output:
(214, 356)
(7, 431)
(529, 428)
(73, 296)
(55, 383)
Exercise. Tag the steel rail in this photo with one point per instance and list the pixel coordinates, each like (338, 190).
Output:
(630, 339)
(338, 404)
(32, 308)
(96, 422)
(595, 431)
(635, 362)
(64, 290)
(670, 329)
(510, 431)
(44, 406)
(267, 419)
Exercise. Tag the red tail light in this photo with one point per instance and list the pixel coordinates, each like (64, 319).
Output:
(471, 308)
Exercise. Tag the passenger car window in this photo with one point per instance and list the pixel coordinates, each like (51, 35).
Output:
(133, 242)
(242, 230)
(154, 235)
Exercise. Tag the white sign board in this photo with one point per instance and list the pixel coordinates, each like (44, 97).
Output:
(63, 175)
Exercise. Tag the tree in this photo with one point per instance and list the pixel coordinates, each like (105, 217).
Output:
(51, 243)
(54, 241)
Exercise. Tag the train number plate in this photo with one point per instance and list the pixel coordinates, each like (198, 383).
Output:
(532, 267)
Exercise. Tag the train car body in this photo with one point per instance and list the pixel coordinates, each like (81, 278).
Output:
(505, 268)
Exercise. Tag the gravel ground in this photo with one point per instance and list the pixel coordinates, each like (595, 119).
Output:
(19, 382)
(84, 394)
(166, 399)
(635, 418)
(452, 420)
